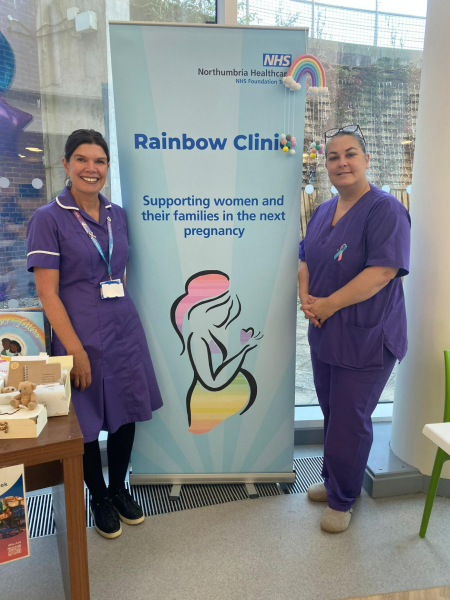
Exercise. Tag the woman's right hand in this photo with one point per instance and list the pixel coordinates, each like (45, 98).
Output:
(81, 370)
(308, 314)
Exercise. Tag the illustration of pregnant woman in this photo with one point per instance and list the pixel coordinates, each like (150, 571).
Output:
(221, 387)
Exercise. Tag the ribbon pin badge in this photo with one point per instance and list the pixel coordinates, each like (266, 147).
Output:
(340, 252)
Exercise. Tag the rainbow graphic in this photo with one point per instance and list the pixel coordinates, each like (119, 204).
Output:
(28, 332)
(213, 396)
(210, 408)
(303, 65)
(197, 289)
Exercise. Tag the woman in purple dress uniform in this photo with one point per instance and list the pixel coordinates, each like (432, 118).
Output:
(353, 256)
(78, 250)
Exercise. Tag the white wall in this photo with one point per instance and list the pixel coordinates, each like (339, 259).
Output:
(419, 392)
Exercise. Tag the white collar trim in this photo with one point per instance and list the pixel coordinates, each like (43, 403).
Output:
(66, 207)
(74, 207)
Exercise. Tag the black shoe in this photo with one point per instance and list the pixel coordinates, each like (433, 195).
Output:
(129, 511)
(106, 518)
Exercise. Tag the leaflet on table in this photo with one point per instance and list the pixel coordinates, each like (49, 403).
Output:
(14, 538)
(18, 371)
(37, 372)
(5, 364)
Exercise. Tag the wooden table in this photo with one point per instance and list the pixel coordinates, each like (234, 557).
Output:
(55, 459)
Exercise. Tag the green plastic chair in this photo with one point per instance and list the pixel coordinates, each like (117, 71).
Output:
(441, 455)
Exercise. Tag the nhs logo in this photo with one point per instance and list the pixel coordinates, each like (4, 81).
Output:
(277, 60)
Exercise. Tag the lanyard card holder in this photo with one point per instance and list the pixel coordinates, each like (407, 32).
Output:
(111, 289)
(114, 287)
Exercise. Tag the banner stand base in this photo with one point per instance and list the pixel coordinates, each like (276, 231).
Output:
(250, 488)
(175, 493)
(179, 479)
(251, 491)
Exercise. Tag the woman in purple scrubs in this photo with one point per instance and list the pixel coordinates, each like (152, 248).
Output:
(78, 250)
(353, 256)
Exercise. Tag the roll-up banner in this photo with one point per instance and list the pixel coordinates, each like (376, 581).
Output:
(213, 206)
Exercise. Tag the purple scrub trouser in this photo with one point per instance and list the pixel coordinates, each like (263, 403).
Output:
(347, 398)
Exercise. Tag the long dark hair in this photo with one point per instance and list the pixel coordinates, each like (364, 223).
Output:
(84, 136)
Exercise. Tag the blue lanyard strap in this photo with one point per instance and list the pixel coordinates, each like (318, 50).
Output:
(94, 239)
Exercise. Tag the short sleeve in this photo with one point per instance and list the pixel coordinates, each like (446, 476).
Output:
(388, 236)
(42, 241)
(301, 250)
(301, 247)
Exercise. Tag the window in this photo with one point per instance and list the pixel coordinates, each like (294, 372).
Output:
(372, 52)
(53, 80)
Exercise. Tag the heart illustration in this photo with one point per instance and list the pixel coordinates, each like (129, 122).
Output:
(246, 335)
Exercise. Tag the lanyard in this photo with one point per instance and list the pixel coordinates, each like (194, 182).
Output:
(94, 239)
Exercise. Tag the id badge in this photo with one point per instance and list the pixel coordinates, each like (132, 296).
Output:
(111, 289)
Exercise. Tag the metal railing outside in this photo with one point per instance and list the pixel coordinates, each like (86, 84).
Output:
(339, 23)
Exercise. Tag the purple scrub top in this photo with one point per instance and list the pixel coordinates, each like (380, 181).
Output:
(374, 232)
(124, 387)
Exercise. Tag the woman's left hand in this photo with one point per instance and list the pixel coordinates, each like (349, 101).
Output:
(322, 309)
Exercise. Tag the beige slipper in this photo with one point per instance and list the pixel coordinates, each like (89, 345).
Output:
(335, 521)
(317, 492)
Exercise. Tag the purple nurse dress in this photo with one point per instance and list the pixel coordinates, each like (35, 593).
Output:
(354, 352)
(124, 388)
